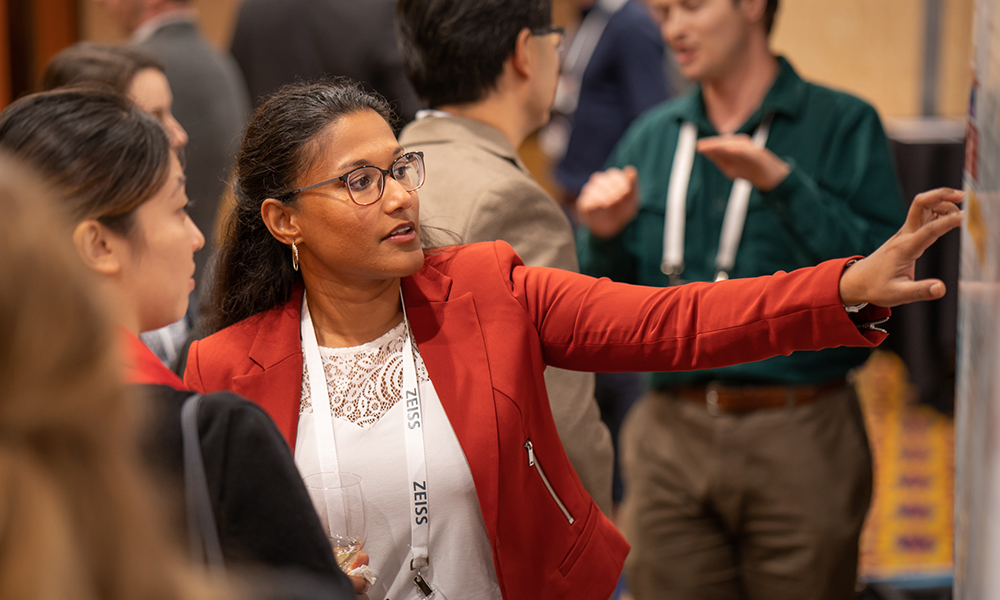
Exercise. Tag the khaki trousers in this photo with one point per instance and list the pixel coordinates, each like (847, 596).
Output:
(761, 505)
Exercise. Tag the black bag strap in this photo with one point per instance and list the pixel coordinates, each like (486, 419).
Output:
(203, 536)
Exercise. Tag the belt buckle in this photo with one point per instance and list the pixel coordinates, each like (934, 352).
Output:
(712, 400)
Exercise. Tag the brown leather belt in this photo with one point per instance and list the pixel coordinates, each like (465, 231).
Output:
(719, 398)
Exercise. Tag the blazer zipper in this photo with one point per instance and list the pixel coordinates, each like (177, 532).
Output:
(533, 462)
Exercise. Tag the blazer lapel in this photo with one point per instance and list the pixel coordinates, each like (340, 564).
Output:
(278, 391)
(276, 381)
(450, 339)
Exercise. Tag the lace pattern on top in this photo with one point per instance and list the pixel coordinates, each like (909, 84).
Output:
(364, 381)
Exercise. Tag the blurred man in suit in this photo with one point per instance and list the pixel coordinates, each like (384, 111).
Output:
(487, 93)
(277, 42)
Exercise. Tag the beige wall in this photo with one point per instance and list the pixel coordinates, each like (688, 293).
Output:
(956, 57)
(872, 48)
(869, 47)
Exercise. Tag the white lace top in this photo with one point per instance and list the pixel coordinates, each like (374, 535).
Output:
(364, 381)
(364, 384)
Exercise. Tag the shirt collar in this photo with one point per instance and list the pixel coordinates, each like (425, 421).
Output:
(143, 367)
(430, 113)
(438, 126)
(786, 97)
(148, 28)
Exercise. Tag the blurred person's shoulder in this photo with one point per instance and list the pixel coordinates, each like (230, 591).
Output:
(225, 405)
(837, 104)
(222, 417)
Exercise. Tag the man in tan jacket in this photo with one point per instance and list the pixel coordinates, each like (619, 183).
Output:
(490, 82)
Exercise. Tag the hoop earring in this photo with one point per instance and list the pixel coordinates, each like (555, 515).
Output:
(295, 257)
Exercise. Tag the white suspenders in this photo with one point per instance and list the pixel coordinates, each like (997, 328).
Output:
(672, 263)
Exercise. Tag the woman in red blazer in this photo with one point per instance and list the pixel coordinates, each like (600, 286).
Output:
(327, 206)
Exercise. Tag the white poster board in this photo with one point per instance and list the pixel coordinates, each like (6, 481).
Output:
(977, 416)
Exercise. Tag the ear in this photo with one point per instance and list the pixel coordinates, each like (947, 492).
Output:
(98, 248)
(523, 59)
(281, 220)
(753, 10)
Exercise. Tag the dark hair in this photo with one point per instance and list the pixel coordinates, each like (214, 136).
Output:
(106, 156)
(769, 12)
(90, 63)
(454, 50)
(254, 270)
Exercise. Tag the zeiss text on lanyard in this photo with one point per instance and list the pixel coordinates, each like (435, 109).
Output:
(413, 430)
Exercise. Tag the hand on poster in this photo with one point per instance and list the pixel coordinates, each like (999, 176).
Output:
(886, 278)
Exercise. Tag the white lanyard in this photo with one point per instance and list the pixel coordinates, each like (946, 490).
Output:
(413, 430)
(676, 218)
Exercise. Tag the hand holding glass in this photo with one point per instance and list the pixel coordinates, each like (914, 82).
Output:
(341, 507)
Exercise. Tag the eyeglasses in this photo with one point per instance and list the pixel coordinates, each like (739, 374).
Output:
(560, 32)
(366, 184)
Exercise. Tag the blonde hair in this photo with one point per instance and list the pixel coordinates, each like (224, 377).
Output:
(78, 518)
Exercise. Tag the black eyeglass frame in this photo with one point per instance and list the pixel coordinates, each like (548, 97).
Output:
(382, 174)
(549, 31)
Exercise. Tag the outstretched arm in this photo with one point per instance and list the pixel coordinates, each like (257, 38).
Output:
(589, 324)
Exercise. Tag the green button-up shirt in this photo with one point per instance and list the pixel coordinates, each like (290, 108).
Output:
(841, 198)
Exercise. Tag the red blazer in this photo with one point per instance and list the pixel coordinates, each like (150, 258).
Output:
(486, 327)
(142, 366)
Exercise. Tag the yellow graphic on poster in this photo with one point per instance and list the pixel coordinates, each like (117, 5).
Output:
(975, 223)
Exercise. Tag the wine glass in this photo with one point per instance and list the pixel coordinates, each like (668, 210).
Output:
(341, 507)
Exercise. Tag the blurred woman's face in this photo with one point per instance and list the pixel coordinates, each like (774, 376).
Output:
(343, 242)
(157, 274)
(151, 92)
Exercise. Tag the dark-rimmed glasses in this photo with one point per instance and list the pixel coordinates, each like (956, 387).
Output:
(366, 184)
(550, 30)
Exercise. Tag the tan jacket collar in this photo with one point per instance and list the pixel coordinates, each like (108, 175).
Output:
(453, 129)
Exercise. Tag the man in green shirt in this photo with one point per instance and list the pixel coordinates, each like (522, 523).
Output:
(749, 481)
